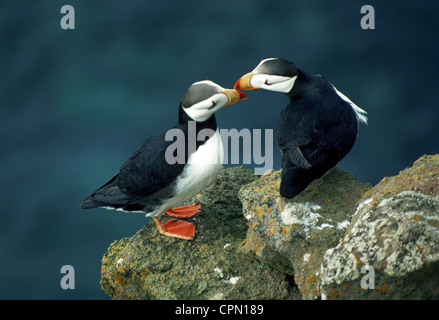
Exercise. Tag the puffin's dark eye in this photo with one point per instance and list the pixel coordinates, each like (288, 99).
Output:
(266, 82)
(213, 105)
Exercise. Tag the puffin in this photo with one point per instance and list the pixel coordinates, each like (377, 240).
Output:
(173, 165)
(316, 129)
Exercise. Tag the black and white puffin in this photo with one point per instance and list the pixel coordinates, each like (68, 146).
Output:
(159, 174)
(316, 129)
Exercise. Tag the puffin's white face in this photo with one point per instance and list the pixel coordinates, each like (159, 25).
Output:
(270, 74)
(273, 83)
(207, 98)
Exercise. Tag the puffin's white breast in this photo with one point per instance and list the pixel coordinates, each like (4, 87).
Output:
(199, 173)
(202, 168)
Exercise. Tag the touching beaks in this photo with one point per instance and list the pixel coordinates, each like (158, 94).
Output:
(233, 96)
(244, 83)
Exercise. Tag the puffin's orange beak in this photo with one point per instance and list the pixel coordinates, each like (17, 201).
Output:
(244, 82)
(234, 96)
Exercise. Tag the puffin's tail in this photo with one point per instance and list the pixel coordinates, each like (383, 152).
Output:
(107, 195)
(294, 181)
(90, 203)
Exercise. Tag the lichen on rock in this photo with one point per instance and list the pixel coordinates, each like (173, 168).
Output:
(292, 235)
(395, 230)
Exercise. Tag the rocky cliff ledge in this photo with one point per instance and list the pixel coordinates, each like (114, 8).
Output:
(151, 266)
(339, 239)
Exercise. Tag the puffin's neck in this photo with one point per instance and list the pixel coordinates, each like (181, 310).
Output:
(183, 119)
(299, 84)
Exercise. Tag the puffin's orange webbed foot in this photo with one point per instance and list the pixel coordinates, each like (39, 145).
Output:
(176, 228)
(184, 212)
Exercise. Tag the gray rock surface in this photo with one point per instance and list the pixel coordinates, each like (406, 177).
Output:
(394, 236)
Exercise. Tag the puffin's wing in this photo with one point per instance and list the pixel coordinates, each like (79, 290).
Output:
(294, 131)
(147, 170)
(143, 174)
(296, 156)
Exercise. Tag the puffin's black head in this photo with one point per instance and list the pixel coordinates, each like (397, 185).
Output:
(273, 74)
(202, 99)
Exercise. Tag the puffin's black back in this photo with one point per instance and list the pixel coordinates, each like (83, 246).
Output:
(314, 132)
